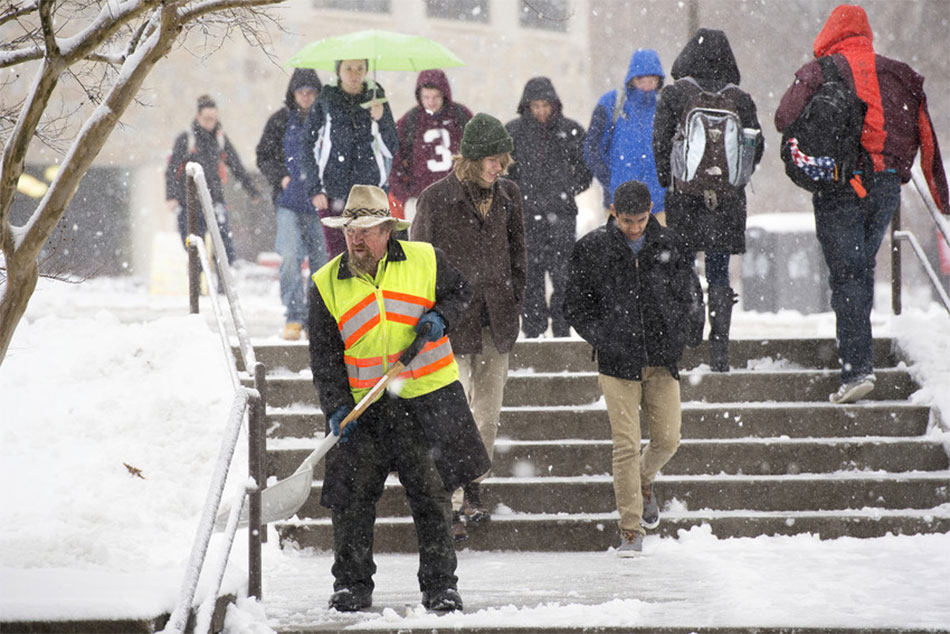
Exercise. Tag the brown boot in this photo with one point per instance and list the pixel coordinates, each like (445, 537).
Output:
(459, 532)
(472, 507)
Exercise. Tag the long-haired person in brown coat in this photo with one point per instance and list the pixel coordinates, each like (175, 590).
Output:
(475, 216)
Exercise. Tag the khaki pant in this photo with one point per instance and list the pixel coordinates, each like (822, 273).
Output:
(657, 396)
(483, 378)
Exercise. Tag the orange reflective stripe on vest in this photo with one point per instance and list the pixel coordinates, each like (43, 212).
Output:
(359, 320)
(405, 308)
(365, 372)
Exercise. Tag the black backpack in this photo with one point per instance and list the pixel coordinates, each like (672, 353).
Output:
(822, 148)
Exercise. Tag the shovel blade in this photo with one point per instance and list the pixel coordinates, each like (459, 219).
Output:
(280, 501)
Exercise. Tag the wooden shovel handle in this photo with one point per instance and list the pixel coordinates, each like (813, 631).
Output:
(404, 360)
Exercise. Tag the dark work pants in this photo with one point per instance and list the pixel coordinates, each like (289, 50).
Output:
(549, 245)
(850, 231)
(389, 438)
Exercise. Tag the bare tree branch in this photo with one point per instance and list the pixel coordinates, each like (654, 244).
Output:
(49, 35)
(15, 11)
(195, 11)
(109, 59)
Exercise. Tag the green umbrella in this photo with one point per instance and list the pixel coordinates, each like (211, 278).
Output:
(385, 50)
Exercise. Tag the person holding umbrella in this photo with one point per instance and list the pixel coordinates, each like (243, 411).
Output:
(349, 139)
(366, 306)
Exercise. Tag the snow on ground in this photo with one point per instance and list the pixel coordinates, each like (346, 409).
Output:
(102, 374)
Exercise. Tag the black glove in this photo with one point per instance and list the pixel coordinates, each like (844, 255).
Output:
(337, 417)
(436, 325)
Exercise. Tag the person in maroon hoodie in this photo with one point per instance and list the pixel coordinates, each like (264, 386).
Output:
(429, 136)
(850, 228)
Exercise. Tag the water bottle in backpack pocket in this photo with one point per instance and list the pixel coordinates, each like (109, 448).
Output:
(712, 153)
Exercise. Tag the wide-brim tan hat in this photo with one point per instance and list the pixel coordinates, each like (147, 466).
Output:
(366, 206)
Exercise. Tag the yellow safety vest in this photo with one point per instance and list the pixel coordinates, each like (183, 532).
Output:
(377, 322)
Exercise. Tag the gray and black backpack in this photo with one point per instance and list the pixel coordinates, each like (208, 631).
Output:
(712, 155)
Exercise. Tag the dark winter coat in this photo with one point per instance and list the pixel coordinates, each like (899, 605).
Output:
(639, 310)
(352, 148)
(708, 59)
(623, 150)
(214, 152)
(897, 120)
(489, 252)
(444, 414)
(272, 158)
(549, 162)
(427, 142)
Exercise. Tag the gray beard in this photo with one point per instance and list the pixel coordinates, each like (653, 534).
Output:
(361, 265)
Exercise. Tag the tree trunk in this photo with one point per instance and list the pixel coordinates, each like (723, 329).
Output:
(21, 281)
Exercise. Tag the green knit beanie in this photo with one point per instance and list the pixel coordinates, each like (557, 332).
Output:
(484, 135)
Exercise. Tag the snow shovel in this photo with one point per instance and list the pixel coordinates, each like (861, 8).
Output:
(284, 498)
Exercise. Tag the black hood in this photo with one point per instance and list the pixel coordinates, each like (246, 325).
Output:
(707, 55)
(301, 77)
(539, 88)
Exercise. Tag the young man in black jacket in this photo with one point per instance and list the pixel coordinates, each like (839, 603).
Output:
(633, 294)
(550, 170)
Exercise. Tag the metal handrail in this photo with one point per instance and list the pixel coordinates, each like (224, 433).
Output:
(247, 400)
(898, 236)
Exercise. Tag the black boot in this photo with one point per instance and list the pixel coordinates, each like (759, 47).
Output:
(721, 299)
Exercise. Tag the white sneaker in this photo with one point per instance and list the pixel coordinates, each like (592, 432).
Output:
(853, 390)
(631, 544)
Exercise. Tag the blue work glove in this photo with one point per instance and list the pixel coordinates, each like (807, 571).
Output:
(436, 325)
(337, 417)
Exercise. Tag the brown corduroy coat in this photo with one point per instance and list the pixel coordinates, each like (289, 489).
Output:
(489, 251)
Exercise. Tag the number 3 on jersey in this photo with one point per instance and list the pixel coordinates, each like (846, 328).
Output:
(439, 138)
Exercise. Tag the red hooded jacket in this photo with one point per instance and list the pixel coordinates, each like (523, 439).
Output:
(897, 120)
(427, 141)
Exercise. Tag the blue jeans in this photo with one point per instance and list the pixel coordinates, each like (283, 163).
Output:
(299, 236)
(850, 231)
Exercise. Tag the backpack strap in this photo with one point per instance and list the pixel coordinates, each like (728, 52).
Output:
(829, 70)
(620, 100)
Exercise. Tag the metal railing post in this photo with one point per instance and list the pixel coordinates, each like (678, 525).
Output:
(896, 262)
(194, 269)
(257, 470)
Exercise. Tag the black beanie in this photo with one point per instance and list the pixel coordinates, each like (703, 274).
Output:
(484, 135)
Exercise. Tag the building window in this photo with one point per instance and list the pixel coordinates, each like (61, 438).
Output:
(370, 6)
(551, 15)
(464, 10)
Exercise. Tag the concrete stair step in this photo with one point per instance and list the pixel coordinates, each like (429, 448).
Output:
(595, 494)
(527, 389)
(574, 355)
(694, 457)
(598, 531)
(523, 389)
(700, 420)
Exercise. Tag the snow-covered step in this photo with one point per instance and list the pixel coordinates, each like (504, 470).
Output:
(574, 354)
(594, 494)
(580, 389)
(696, 456)
(700, 420)
(598, 531)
